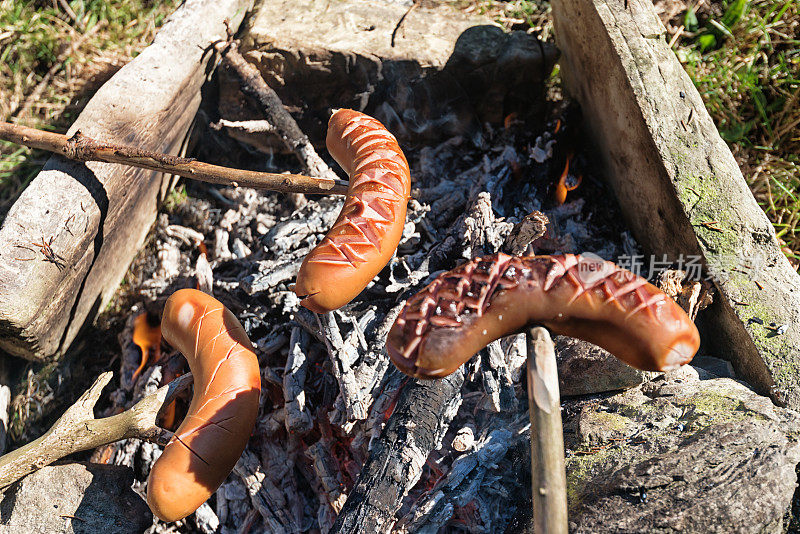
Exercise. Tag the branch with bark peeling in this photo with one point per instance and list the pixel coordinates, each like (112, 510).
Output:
(78, 430)
(83, 148)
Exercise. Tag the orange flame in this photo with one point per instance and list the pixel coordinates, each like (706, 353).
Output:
(168, 417)
(509, 120)
(147, 338)
(562, 187)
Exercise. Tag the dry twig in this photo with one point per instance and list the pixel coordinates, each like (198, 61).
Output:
(82, 148)
(78, 430)
(254, 86)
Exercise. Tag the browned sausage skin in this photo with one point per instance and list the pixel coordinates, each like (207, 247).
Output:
(222, 414)
(463, 310)
(370, 225)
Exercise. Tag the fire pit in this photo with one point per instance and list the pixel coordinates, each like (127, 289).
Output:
(344, 442)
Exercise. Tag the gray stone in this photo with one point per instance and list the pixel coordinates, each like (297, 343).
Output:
(680, 454)
(678, 185)
(438, 74)
(79, 498)
(585, 369)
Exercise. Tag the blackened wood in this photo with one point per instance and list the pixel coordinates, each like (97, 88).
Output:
(254, 86)
(418, 423)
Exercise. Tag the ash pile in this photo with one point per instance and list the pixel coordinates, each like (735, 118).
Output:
(337, 421)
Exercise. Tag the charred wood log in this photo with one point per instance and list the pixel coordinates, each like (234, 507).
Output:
(254, 86)
(416, 427)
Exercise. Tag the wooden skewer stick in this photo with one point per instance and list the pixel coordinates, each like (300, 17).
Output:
(549, 479)
(82, 148)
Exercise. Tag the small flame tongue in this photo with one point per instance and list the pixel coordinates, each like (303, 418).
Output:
(148, 338)
(562, 187)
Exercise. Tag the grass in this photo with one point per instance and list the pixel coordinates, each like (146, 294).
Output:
(744, 58)
(33, 37)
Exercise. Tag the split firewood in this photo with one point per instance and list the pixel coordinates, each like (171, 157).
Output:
(497, 381)
(328, 472)
(298, 418)
(78, 430)
(525, 232)
(343, 353)
(80, 147)
(266, 497)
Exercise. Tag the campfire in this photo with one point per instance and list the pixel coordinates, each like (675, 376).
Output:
(369, 345)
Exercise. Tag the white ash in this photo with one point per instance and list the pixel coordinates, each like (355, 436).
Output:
(328, 389)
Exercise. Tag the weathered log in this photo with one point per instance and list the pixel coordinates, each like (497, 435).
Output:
(678, 184)
(93, 217)
(416, 427)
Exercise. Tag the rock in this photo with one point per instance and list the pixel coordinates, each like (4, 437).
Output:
(75, 498)
(585, 369)
(715, 366)
(680, 454)
(436, 74)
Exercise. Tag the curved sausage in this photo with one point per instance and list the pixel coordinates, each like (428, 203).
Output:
(369, 227)
(227, 385)
(463, 310)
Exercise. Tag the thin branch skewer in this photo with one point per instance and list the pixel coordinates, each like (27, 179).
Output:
(82, 148)
(548, 477)
(78, 430)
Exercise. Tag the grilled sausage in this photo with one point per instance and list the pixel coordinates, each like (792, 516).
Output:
(369, 227)
(222, 414)
(463, 310)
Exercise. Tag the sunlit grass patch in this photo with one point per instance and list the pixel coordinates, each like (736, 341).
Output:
(744, 57)
(36, 41)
